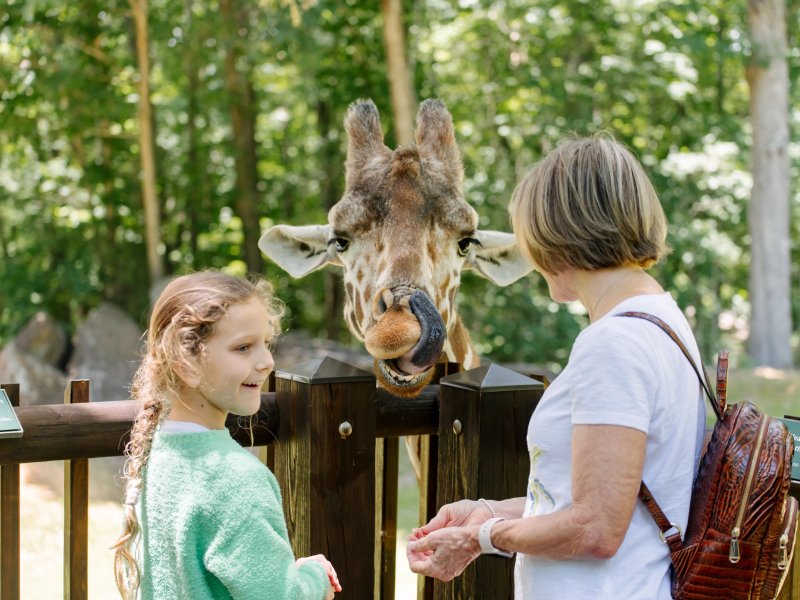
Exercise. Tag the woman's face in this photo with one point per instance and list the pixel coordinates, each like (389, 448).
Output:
(560, 284)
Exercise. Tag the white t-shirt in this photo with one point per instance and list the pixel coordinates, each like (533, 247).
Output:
(621, 371)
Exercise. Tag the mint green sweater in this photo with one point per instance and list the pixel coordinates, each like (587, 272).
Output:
(213, 526)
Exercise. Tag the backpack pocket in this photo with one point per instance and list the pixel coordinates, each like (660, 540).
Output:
(711, 573)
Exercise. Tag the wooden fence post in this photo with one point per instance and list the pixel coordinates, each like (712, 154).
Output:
(483, 421)
(324, 462)
(76, 510)
(9, 519)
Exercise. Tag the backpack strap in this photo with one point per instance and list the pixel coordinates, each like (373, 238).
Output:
(673, 540)
(706, 385)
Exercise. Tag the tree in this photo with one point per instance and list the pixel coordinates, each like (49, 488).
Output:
(403, 102)
(152, 208)
(769, 214)
(243, 116)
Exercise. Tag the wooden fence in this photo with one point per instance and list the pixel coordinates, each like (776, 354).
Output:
(332, 441)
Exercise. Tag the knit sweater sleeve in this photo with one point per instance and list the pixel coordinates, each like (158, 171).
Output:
(248, 548)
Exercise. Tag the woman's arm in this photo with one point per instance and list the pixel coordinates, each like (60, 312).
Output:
(607, 468)
(606, 473)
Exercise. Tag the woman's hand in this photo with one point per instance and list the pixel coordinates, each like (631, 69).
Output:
(444, 553)
(457, 514)
(332, 577)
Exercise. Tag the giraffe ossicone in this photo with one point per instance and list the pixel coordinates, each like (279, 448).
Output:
(403, 234)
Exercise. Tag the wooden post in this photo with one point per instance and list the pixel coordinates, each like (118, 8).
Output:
(76, 510)
(483, 421)
(9, 519)
(325, 464)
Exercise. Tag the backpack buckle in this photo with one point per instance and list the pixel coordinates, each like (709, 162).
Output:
(663, 534)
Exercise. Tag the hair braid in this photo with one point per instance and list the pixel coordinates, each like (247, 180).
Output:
(155, 407)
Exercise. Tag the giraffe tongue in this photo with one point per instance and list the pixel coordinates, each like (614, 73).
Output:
(432, 336)
(405, 365)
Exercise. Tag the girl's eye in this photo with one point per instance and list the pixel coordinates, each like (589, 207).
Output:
(243, 348)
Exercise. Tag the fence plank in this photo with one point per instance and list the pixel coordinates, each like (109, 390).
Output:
(9, 519)
(387, 472)
(76, 510)
(325, 463)
(63, 431)
(484, 416)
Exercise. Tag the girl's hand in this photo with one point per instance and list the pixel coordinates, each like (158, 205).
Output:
(332, 577)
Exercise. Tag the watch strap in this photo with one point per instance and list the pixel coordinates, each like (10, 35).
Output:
(485, 538)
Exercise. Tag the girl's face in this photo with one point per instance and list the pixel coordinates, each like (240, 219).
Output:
(234, 366)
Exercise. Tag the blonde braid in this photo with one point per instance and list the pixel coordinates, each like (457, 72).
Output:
(155, 408)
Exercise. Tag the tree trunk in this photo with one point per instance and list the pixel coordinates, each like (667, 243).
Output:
(330, 191)
(403, 101)
(243, 117)
(152, 214)
(769, 212)
(196, 195)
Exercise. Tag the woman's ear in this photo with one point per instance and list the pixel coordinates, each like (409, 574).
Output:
(188, 374)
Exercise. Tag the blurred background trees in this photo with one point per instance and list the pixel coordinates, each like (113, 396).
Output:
(246, 101)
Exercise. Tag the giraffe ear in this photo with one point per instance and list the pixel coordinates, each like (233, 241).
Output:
(435, 135)
(298, 250)
(498, 258)
(364, 134)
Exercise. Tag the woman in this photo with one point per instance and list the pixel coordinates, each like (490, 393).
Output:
(627, 407)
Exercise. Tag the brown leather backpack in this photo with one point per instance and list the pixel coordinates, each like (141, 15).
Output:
(742, 522)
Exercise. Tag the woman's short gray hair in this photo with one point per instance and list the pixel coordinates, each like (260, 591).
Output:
(588, 205)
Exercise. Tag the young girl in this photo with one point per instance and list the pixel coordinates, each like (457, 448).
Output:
(209, 512)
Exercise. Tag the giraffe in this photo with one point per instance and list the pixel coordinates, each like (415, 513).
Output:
(403, 234)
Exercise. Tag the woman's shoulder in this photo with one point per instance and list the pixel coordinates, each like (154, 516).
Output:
(614, 334)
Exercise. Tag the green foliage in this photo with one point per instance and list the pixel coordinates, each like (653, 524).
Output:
(666, 78)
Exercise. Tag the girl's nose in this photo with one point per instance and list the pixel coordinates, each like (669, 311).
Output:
(266, 363)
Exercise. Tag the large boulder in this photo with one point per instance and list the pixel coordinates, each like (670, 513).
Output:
(44, 339)
(295, 347)
(39, 382)
(107, 348)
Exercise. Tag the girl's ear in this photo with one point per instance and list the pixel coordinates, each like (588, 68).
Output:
(188, 374)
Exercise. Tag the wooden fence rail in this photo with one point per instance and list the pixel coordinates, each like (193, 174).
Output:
(332, 440)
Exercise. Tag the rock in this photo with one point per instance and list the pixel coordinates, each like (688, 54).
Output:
(107, 347)
(44, 339)
(295, 347)
(39, 382)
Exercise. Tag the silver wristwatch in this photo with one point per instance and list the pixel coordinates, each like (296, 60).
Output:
(485, 538)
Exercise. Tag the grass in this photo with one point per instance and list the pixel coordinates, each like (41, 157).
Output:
(42, 513)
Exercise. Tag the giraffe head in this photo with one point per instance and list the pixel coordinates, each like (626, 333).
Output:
(403, 233)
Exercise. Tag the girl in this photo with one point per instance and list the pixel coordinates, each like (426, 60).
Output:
(210, 513)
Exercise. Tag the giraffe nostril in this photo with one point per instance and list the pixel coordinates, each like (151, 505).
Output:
(383, 300)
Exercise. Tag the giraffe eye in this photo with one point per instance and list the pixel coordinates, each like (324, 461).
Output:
(465, 243)
(339, 244)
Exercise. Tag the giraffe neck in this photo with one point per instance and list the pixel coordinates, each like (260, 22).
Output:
(459, 348)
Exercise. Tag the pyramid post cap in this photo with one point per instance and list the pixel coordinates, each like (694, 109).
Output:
(491, 378)
(324, 370)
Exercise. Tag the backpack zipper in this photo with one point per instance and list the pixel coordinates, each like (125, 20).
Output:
(784, 539)
(733, 554)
